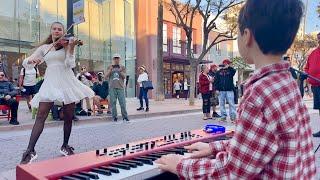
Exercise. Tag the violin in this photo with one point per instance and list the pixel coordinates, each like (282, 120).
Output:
(64, 41)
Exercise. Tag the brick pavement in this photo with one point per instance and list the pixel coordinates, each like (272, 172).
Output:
(167, 107)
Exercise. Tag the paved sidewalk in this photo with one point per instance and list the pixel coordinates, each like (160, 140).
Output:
(157, 108)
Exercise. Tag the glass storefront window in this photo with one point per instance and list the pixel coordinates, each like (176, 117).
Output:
(176, 37)
(165, 39)
(166, 66)
(106, 31)
(187, 67)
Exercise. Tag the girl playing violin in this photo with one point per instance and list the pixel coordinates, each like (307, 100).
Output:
(59, 86)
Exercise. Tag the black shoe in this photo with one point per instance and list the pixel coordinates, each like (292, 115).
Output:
(140, 109)
(28, 157)
(126, 119)
(216, 115)
(115, 119)
(147, 109)
(67, 150)
(14, 122)
(82, 113)
(89, 112)
(316, 134)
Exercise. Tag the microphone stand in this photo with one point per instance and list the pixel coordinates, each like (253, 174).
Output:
(315, 79)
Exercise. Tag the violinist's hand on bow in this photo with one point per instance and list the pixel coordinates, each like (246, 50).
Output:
(73, 42)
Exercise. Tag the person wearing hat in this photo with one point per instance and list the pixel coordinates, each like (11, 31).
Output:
(116, 74)
(101, 90)
(214, 95)
(225, 86)
(143, 93)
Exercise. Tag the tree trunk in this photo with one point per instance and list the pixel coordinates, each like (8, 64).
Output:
(160, 85)
(193, 71)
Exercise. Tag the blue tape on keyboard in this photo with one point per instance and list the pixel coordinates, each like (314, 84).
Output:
(212, 128)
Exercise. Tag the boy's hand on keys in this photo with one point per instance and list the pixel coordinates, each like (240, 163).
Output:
(199, 150)
(169, 162)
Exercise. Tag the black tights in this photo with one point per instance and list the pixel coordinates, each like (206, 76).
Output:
(43, 111)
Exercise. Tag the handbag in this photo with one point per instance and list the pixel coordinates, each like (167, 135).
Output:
(147, 85)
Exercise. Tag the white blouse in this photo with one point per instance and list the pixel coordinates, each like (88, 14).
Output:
(142, 77)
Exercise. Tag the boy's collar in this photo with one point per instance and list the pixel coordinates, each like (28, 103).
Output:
(259, 73)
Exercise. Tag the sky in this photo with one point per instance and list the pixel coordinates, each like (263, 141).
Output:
(313, 21)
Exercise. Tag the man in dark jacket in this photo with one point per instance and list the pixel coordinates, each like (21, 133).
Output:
(101, 90)
(225, 86)
(7, 94)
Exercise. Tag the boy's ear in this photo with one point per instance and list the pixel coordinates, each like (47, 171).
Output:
(248, 37)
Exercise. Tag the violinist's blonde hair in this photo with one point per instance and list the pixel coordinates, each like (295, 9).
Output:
(48, 40)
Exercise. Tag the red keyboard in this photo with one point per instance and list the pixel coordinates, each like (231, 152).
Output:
(128, 161)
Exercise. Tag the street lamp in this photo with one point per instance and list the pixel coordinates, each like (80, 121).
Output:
(125, 35)
(38, 18)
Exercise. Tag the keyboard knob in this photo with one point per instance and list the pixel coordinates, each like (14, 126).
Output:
(173, 136)
(105, 150)
(165, 138)
(127, 146)
(97, 152)
(124, 152)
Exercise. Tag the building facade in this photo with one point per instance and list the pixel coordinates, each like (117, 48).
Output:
(109, 28)
(176, 65)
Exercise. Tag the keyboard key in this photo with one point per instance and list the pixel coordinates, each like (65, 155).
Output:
(138, 163)
(132, 165)
(92, 176)
(69, 178)
(149, 157)
(79, 176)
(120, 166)
(144, 160)
(111, 169)
(101, 171)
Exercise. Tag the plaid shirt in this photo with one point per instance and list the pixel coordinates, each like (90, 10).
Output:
(272, 138)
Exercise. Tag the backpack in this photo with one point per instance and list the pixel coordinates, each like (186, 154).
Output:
(24, 73)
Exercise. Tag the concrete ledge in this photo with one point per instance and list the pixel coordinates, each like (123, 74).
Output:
(95, 119)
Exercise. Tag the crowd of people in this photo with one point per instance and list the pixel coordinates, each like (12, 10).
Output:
(216, 86)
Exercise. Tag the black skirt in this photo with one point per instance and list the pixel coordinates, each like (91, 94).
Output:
(29, 90)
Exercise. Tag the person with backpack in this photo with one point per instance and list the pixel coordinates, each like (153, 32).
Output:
(27, 83)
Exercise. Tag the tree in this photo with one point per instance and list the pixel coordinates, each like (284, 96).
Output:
(240, 65)
(160, 86)
(210, 11)
(300, 50)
